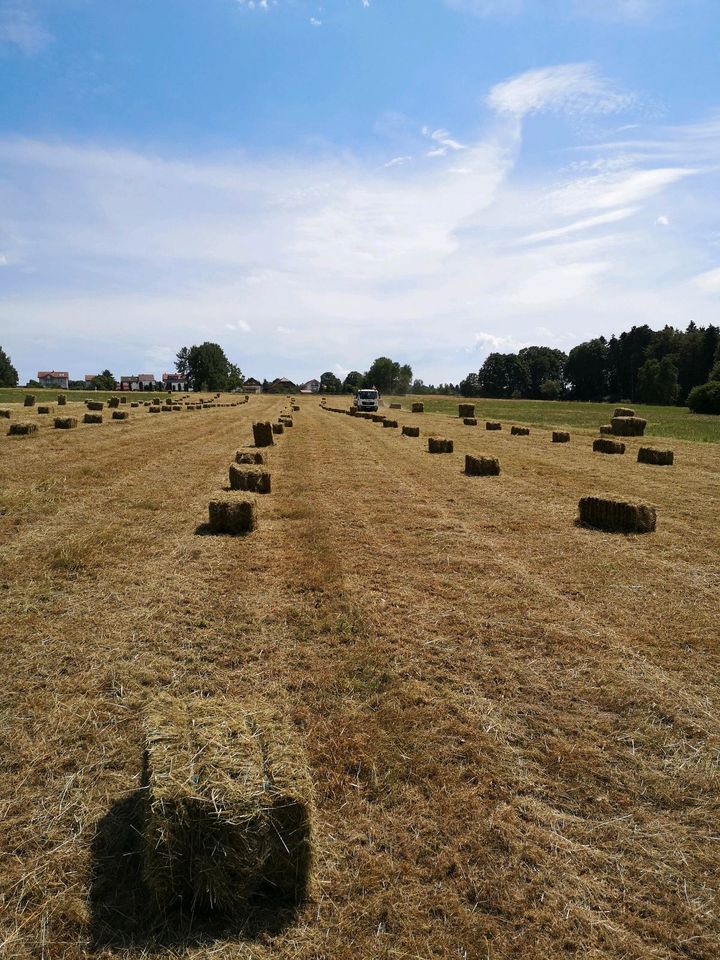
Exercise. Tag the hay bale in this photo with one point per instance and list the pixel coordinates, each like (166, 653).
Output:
(417, 408)
(248, 457)
(29, 400)
(623, 412)
(660, 458)
(286, 421)
(5, 414)
(94, 404)
(62, 400)
(602, 445)
(411, 431)
(519, 431)
(154, 409)
(65, 423)
(278, 428)
(165, 408)
(21, 429)
(560, 436)
(396, 406)
(628, 426)
(470, 421)
(135, 404)
(232, 516)
(252, 480)
(234, 824)
(263, 434)
(466, 410)
(43, 410)
(493, 425)
(123, 399)
(439, 445)
(93, 418)
(482, 466)
(120, 415)
(113, 402)
(617, 515)
(295, 408)
(390, 423)
(606, 428)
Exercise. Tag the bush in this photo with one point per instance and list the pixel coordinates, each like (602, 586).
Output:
(705, 398)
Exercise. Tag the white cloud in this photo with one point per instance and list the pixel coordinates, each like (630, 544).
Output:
(351, 259)
(572, 88)
(662, 221)
(618, 10)
(21, 28)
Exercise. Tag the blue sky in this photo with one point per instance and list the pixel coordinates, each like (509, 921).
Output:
(315, 184)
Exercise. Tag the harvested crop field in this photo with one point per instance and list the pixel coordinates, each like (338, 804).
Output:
(511, 721)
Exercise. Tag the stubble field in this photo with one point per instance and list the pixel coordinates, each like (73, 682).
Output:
(511, 721)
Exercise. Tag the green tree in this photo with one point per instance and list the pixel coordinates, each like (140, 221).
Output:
(208, 367)
(353, 382)
(551, 390)
(104, 381)
(503, 375)
(182, 361)
(470, 386)
(329, 383)
(388, 376)
(8, 373)
(235, 378)
(586, 370)
(705, 398)
(542, 364)
(658, 381)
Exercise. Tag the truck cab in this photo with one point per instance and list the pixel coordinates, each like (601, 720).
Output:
(367, 400)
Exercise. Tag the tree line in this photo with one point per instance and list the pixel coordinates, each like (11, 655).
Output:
(642, 365)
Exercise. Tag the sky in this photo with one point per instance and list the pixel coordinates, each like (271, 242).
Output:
(313, 185)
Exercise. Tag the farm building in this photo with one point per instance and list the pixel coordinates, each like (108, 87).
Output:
(140, 381)
(177, 382)
(312, 386)
(53, 378)
(252, 385)
(281, 385)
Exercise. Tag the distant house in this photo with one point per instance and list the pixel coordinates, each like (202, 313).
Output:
(252, 385)
(281, 385)
(312, 386)
(140, 381)
(175, 382)
(54, 378)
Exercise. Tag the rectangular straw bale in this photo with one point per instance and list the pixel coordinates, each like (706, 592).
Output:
(120, 415)
(439, 445)
(249, 457)
(263, 434)
(247, 478)
(606, 428)
(623, 412)
(94, 404)
(62, 400)
(278, 428)
(660, 458)
(628, 426)
(44, 410)
(396, 406)
(390, 423)
(411, 431)
(154, 409)
(29, 400)
(470, 421)
(21, 429)
(482, 466)
(603, 445)
(65, 423)
(230, 807)
(5, 414)
(519, 431)
(232, 516)
(466, 410)
(93, 418)
(493, 425)
(560, 436)
(617, 515)
(417, 408)
(113, 402)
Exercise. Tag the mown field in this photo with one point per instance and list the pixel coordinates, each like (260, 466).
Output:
(511, 721)
(676, 422)
(15, 395)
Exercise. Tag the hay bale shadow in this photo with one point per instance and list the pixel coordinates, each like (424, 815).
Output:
(123, 913)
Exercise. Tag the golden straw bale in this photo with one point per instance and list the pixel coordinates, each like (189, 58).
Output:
(249, 457)
(120, 415)
(29, 400)
(390, 423)
(603, 445)
(623, 412)
(470, 421)
(263, 434)
(43, 410)
(628, 426)
(482, 466)
(660, 458)
(519, 431)
(65, 423)
(5, 414)
(617, 515)
(439, 445)
(62, 400)
(21, 429)
(466, 410)
(229, 811)
(232, 516)
(93, 418)
(411, 431)
(417, 408)
(246, 478)
(560, 436)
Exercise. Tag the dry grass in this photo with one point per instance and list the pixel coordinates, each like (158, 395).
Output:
(511, 721)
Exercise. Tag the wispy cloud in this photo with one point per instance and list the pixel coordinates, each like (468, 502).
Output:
(349, 257)
(571, 88)
(21, 28)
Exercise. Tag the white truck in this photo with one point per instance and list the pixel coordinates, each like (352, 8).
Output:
(367, 400)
